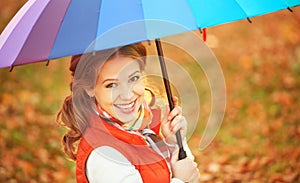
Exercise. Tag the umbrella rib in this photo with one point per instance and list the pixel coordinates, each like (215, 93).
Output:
(146, 30)
(27, 38)
(248, 17)
(56, 36)
(98, 21)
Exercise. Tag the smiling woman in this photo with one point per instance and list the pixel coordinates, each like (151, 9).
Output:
(121, 139)
(120, 95)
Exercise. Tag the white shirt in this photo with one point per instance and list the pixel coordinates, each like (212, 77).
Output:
(106, 164)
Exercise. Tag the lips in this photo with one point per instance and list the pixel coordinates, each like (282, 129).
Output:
(126, 107)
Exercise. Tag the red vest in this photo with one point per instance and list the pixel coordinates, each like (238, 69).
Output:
(151, 166)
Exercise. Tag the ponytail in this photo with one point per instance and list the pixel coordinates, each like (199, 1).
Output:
(66, 118)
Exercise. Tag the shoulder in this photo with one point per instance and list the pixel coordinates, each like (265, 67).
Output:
(107, 164)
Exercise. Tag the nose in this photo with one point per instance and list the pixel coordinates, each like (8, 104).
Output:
(126, 92)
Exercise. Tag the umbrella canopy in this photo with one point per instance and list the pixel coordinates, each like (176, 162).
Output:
(48, 29)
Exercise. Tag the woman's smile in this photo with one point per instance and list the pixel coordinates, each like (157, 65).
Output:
(126, 107)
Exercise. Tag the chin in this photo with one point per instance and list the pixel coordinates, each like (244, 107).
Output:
(127, 118)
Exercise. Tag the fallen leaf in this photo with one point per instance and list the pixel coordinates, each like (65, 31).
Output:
(290, 177)
(206, 177)
(213, 167)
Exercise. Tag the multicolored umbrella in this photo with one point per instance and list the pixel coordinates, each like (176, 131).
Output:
(47, 29)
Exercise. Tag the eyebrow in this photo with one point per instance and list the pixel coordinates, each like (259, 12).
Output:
(134, 73)
(109, 80)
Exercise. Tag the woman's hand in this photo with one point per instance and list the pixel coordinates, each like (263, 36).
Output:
(172, 122)
(185, 170)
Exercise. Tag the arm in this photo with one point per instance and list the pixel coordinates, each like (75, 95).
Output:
(114, 168)
(101, 168)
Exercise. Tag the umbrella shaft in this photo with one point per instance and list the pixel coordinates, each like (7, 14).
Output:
(182, 153)
(164, 73)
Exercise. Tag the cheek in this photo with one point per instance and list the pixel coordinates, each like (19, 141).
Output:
(139, 88)
(103, 98)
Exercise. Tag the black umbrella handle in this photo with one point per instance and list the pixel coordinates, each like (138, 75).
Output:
(182, 153)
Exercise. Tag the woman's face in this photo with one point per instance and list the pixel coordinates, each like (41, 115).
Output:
(119, 88)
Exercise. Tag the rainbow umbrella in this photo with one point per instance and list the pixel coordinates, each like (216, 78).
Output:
(48, 29)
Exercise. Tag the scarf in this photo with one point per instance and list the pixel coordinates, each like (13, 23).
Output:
(145, 116)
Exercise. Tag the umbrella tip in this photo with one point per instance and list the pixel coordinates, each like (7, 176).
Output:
(149, 42)
(47, 63)
(11, 68)
(203, 32)
(290, 9)
(249, 20)
(200, 30)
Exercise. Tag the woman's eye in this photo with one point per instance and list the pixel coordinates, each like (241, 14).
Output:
(111, 85)
(134, 78)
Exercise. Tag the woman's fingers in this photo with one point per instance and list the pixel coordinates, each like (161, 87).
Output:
(172, 122)
(178, 123)
(175, 112)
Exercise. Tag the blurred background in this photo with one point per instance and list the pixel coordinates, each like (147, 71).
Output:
(259, 140)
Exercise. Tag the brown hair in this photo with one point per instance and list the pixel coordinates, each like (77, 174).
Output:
(76, 109)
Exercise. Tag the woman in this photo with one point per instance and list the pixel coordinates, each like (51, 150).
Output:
(120, 135)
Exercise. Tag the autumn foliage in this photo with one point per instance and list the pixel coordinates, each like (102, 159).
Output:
(259, 140)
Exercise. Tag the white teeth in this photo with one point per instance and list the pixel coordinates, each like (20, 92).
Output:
(125, 106)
